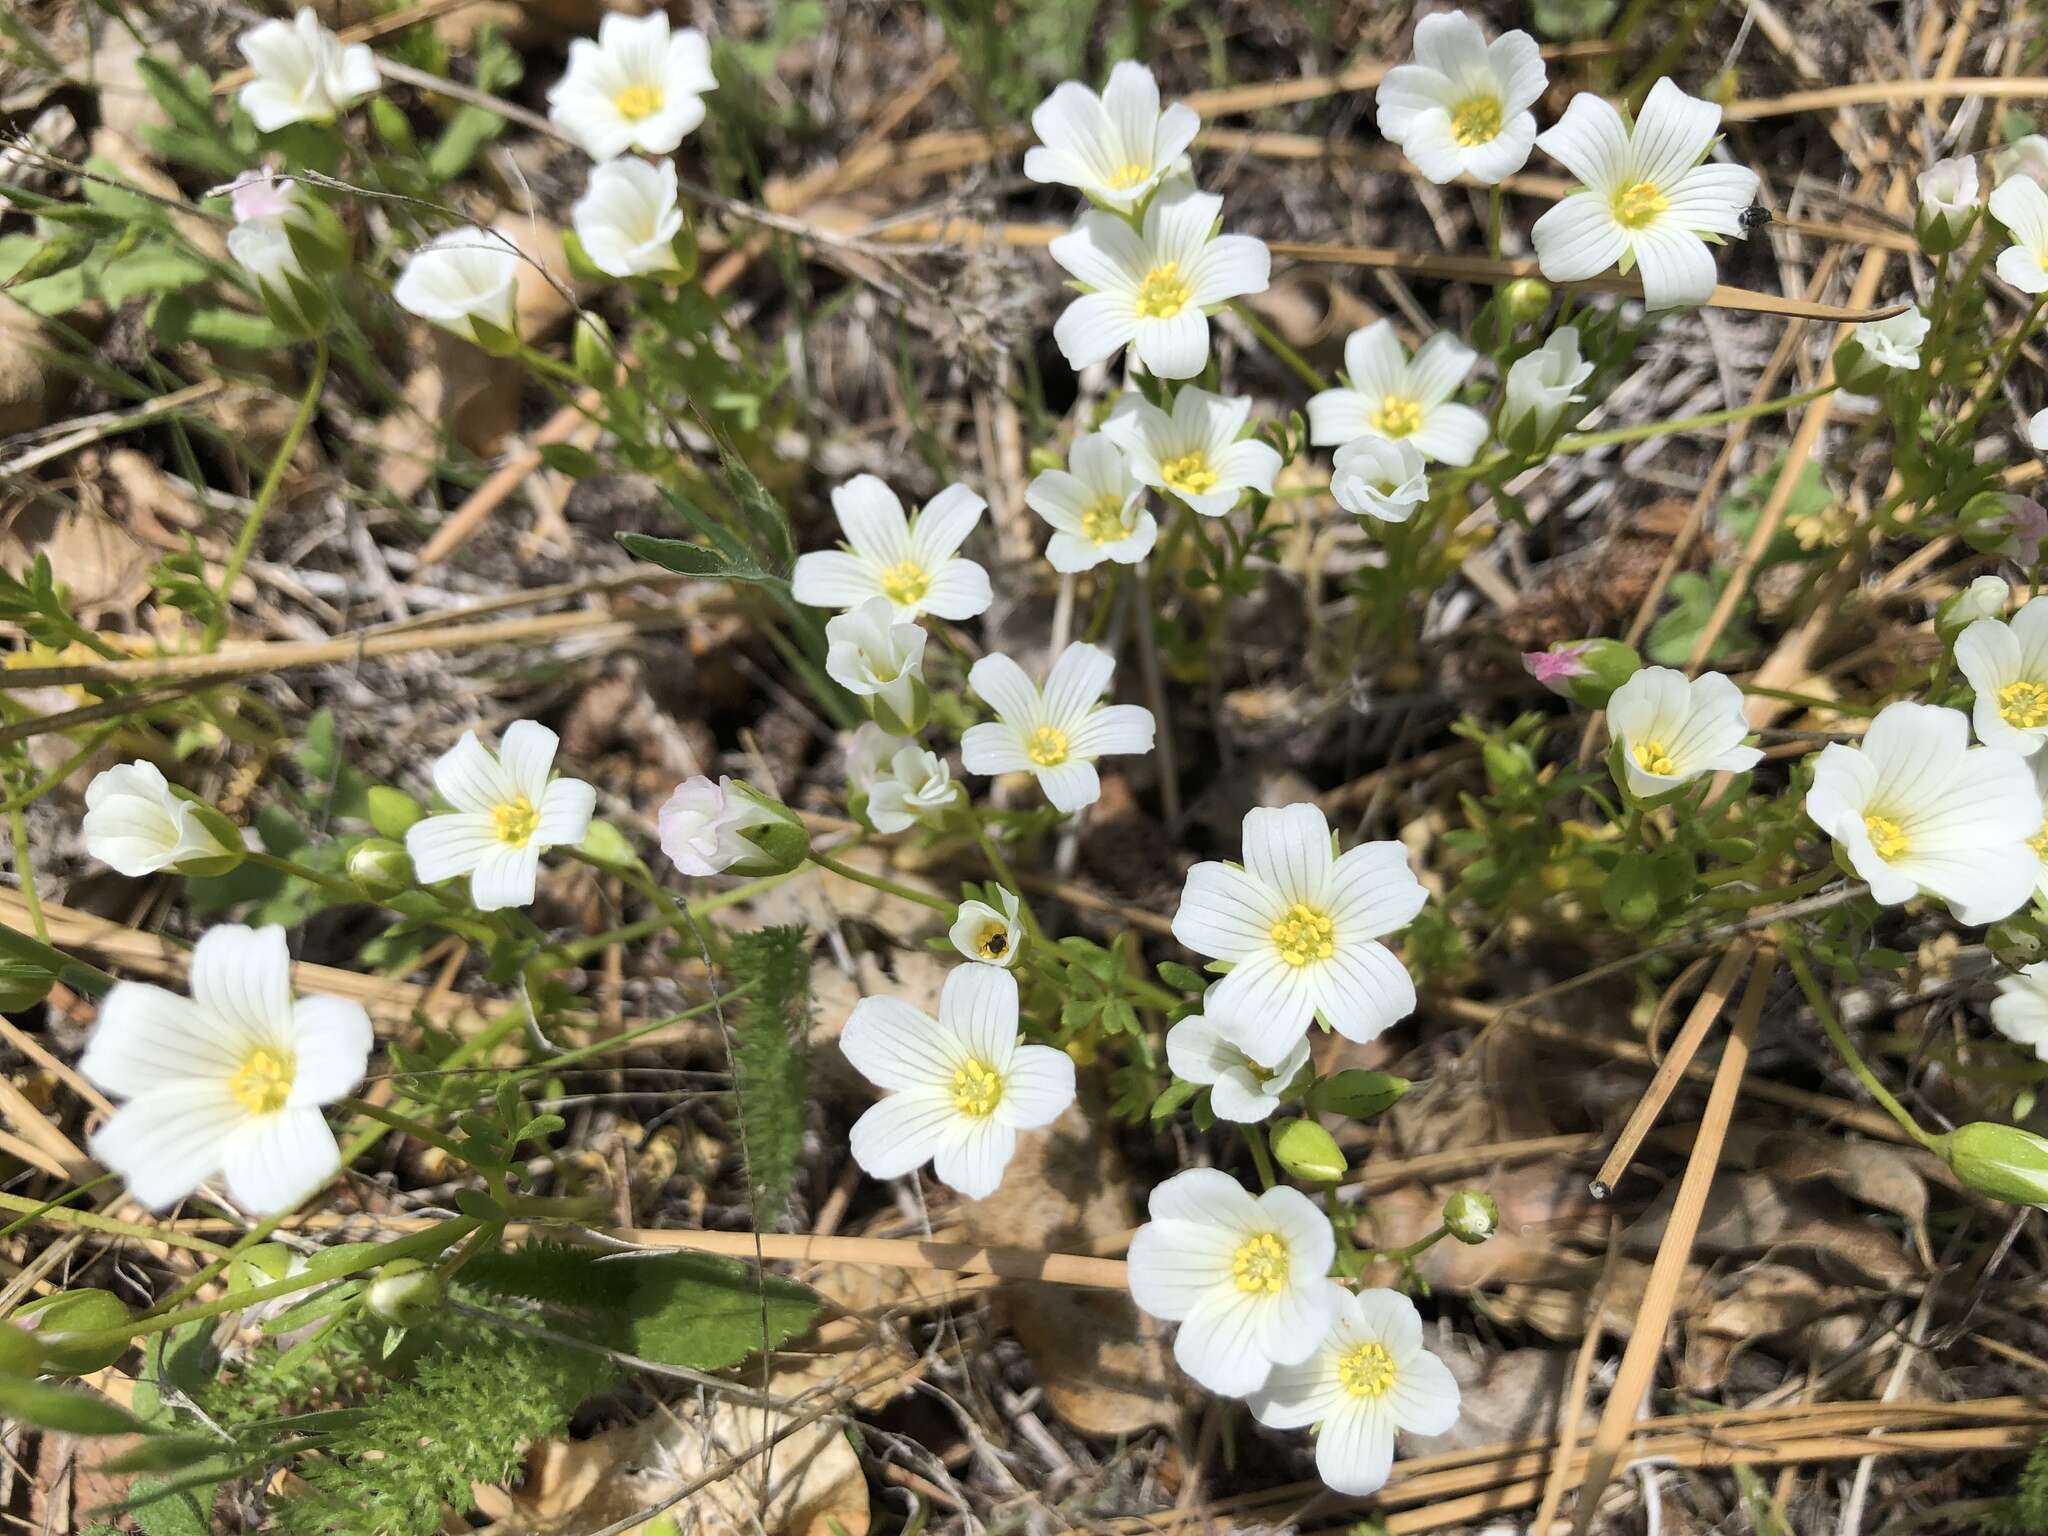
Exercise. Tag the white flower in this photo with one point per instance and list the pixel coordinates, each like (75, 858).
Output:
(1245, 1278)
(1115, 147)
(2039, 841)
(259, 193)
(460, 278)
(871, 653)
(1239, 1088)
(1095, 507)
(508, 810)
(914, 564)
(1400, 398)
(301, 72)
(1542, 383)
(1948, 190)
(228, 1081)
(959, 1087)
(1057, 734)
(1379, 477)
(917, 787)
(2037, 432)
(2006, 662)
(1894, 342)
(627, 219)
(2022, 207)
(135, 822)
(700, 825)
(1370, 1378)
(984, 934)
(639, 86)
(1671, 730)
(1300, 926)
(1916, 807)
(1463, 106)
(263, 249)
(2025, 156)
(1645, 200)
(1194, 454)
(1984, 598)
(1153, 290)
(2020, 1011)
(868, 751)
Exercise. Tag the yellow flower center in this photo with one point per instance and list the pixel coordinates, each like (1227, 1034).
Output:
(1367, 1371)
(1189, 474)
(515, 822)
(1046, 747)
(1397, 416)
(1655, 757)
(1635, 206)
(1164, 293)
(1260, 1264)
(1127, 175)
(1103, 520)
(2039, 842)
(2024, 705)
(1305, 934)
(905, 582)
(993, 943)
(638, 101)
(263, 1082)
(976, 1089)
(1887, 837)
(1476, 120)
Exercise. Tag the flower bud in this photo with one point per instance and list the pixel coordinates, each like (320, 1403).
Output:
(380, 868)
(1984, 598)
(1585, 671)
(781, 837)
(1525, 299)
(1856, 370)
(404, 1293)
(140, 823)
(1949, 201)
(1471, 1216)
(1308, 1152)
(1540, 385)
(2025, 156)
(20, 1354)
(2002, 1161)
(64, 1324)
(730, 827)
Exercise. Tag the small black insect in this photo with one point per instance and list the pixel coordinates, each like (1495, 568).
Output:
(1755, 218)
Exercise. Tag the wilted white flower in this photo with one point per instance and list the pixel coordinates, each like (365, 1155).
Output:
(1645, 200)
(135, 822)
(2006, 662)
(627, 219)
(1194, 453)
(1115, 147)
(871, 653)
(302, 73)
(460, 279)
(700, 825)
(509, 809)
(960, 1087)
(2025, 156)
(1240, 1089)
(1095, 506)
(2022, 207)
(1403, 399)
(2020, 1011)
(1671, 729)
(986, 935)
(1054, 735)
(915, 564)
(1379, 477)
(918, 786)
(229, 1081)
(1949, 198)
(639, 86)
(1894, 342)
(1152, 289)
(1542, 383)
(1463, 106)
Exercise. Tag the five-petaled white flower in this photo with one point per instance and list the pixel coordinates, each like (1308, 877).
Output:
(2020, 1011)
(1463, 106)
(1541, 384)
(959, 1087)
(915, 564)
(1114, 147)
(1894, 342)
(1671, 730)
(460, 279)
(302, 73)
(2006, 662)
(1055, 734)
(1095, 506)
(1916, 807)
(509, 808)
(1645, 200)
(628, 218)
(987, 935)
(872, 653)
(135, 822)
(230, 1080)
(639, 86)
(1379, 477)
(1245, 1278)
(1369, 1379)
(2022, 207)
(1239, 1088)
(1194, 453)
(1400, 398)
(914, 785)
(1153, 289)
(1299, 927)
(701, 825)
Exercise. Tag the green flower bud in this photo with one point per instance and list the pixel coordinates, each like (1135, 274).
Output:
(1471, 1216)
(2002, 1161)
(20, 1353)
(597, 362)
(63, 1324)
(1357, 1094)
(902, 717)
(380, 868)
(1308, 1152)
(318, 237)
(405, 1293)
(777, 831)
(1585, 671)
(1984, 598)
(265, 1264)
(1525, 299)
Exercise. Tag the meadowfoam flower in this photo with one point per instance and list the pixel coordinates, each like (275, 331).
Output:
(509, 809)
(1894, 342)
(639, 86)
(230, 1080)
(872, 654)
(2022, 207)
(461, 279)
(1916, 808)
(1194, 454)
(136, 823)
(987, 935)
(1949, 200)
(1379, 477)
(628, 218)
(2020, 1011)
(915, 564)
(707, 828)
(1153, 289)
(959, 1087)
(1245, 1277)
(1670, 730)
(1402, 399)
(1115, 147)
(261, 193)
(1645, 200)
(1057, 733)
(917, 787)
(1240, 1090)
(1095, 506)
(2025, 156)
(2006, 662)
(1462, 108)
(302, 73)
(1540, 385)
(1300, 927)
(2037, 432)
(1369, 1379)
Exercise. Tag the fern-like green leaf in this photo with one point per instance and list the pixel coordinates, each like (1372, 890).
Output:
(770, 1072)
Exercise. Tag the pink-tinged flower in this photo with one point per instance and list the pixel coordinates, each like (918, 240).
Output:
(260, 193)
(2026, 526)
(1555, 666)
(702, 823)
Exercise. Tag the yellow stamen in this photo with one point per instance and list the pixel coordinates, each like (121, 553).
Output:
(905, 582)
(993, 943)
(1189, 474)
(2039, 843)
(1127, 176)
(1164, 292)
(1102, 522)
(263, 1082)
(1887, 837)
(515, 822)
(2023, 704)
(1636, 206)
(1304, 934)
(1260, 1264)
(977, 1090)
(1046, 747)
(1655, 757)
(1397, 416)
(638, 101)
(1476, 120)
(1367, 1371)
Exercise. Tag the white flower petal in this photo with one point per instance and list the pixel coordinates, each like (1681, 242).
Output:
(274, 1162)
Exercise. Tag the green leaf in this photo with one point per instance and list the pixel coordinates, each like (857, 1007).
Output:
(239, 329)
(689, 559)
(154, 267)
(1357, 1094)
(1183, 978)
(167, 1453)
(57, 254)
(770, 1069)
(66, 1409)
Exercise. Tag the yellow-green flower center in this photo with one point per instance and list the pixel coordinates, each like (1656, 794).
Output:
(1476, 120)
(1887, 837)
(1397, 416)
(638, 101)
(905, 582)
(1102, 521)
(1636, 206)
(2039, 842)
(1127, 175)
(515, 822)
(1260, 1265)
(1367, 1371)
(1189, 474)
(2023, 704)
(1164, 292)
(977, 1089)
(263, 1082)
(1305, 934)
(1654, 757)
(1046, 746)
(992, 943)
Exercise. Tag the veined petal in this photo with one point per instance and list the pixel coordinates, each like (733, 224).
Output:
(944, 524)
(1676, 266)
(1265, 1005)
(565, 808)
(166, 1142)
(1038, 1087)
(443, 847)
(505, 877)
(1439, 367)
(1230, 265)
(1337, 416)
(978, 1007)
(958, 589)
(1218, 1345)
(971, 1160)
(1094, 326)
(1355, 1447)
(330, 1040)
(1451, 434)
(1070, 786)
(894, 1045)
(1078, 679)
(1591, 142)
(1578, 238)
(1226, 913)
(1250, 463)
(833, 578)
(871, 517)
(1375, 362)
(902, 1132)
(1173, 348)
(994, 748)
(1103, 252)
(1006, 687)
(1114, 729)
(1362, 991)
(1673, 133)
(274, 1162)
(1710, 199)
(1424, 1396)
(1287, 850)
(1177, 224)
(147, 1036)
(243, 978)
(1174, 1264)
(526, 752)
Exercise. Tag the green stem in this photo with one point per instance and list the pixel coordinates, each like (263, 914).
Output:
(1262, 1159)
(1742, 900)
(299, 871)
(1579, 442)
(1270, 339)
(2011, 355)
(878, 883)
(92, 1221)
(1839, 1038)
(1493, 215)
(267, 492)
(1410, 1253)
(1000, 867)
(89, 979)
(409, 1126)
(25, 871)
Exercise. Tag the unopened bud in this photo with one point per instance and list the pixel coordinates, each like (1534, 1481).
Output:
(405, 1293)
(20, 1354)
(1585, 671)
(1471, 1216)
(1984, 598)
(380, 868)
(1525, 299)
(1308, 1152)
(778, 834)
(64, 1327)
(2002, 1161)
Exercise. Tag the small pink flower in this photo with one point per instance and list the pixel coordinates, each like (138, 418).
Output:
(700, 826)
(1555, 666)
(260, 194)
(2026, 525)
